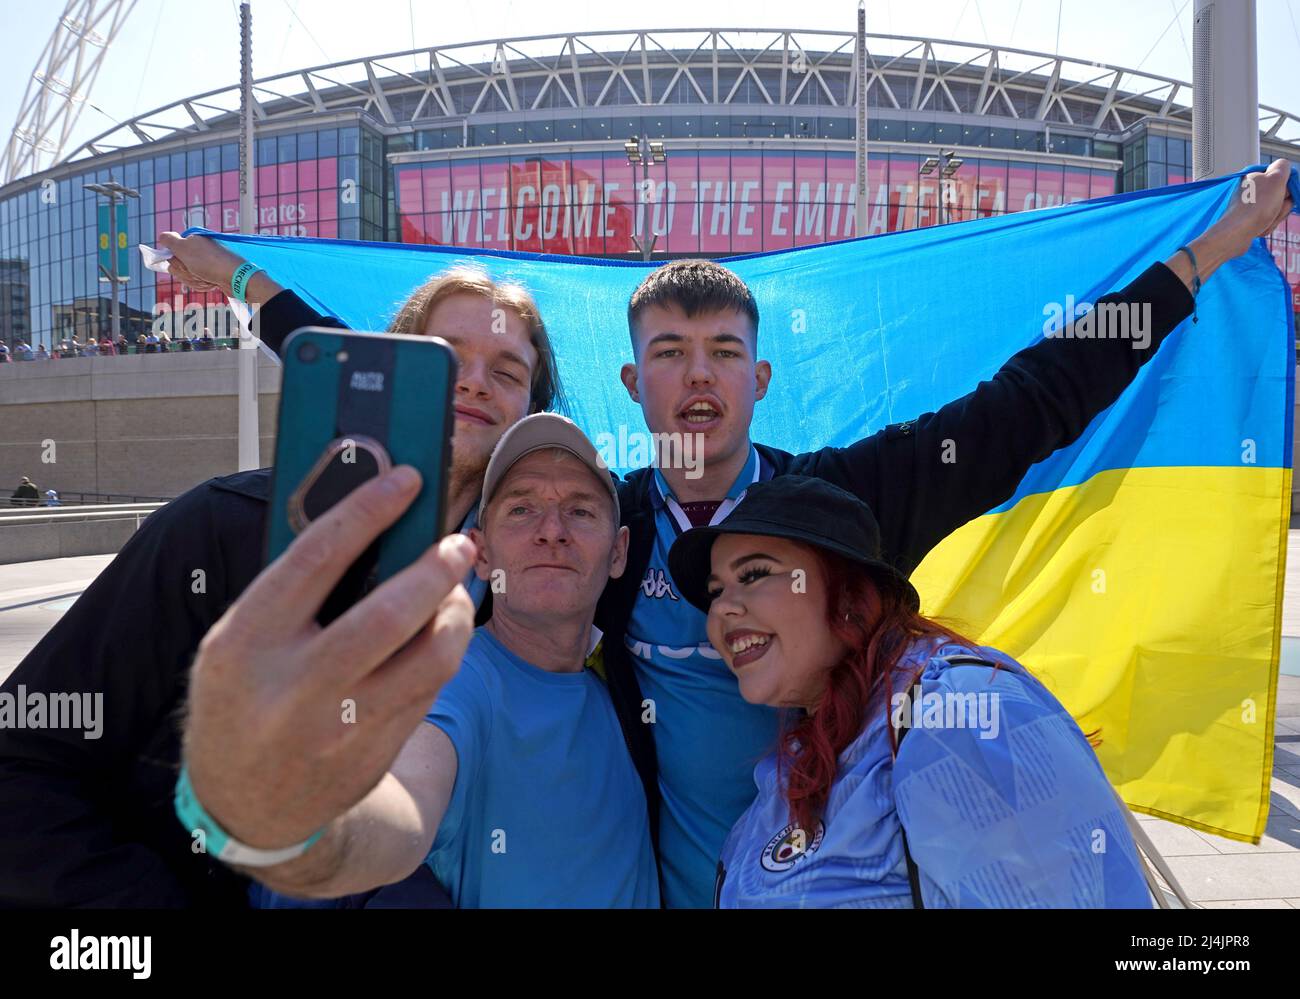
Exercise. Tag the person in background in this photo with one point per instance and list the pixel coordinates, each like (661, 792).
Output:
(164, 343)
(52, 498)
(26, 494)
(123, 345)
(106, 348)
(23, 351)
(91, 347)
(41, 353)
(4, 353)
(1000, 804)
(186, 343)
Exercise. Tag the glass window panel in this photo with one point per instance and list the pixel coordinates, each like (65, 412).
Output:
(327, 173)
(947, 133)
(1002, 138)
(264, 180)
(586, 203)
(1076, 184)
(1102, 183)
(920, 131)
(494, 201)
(991, 194)
(1048, 186)
(595, 129)
(893, 130)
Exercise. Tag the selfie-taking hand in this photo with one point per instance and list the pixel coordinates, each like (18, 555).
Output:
(291, 724)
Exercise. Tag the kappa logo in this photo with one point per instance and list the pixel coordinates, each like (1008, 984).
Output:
(789, 847)
(656, 585)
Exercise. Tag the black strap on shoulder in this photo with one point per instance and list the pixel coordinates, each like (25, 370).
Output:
(962, 659)
(913, 874)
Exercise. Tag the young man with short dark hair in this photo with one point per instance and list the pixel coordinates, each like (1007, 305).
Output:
(694, 328)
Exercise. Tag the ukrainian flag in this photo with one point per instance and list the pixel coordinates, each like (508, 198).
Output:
(1137, 572)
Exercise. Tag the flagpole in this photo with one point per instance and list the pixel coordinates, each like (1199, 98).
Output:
(860, 208)
(248, 433)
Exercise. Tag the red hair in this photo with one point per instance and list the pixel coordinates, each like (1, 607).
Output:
(878, 625)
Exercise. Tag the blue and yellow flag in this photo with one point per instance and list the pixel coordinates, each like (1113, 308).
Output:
(1138, 572)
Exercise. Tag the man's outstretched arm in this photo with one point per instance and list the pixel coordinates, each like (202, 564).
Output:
(76, 823)
(293, 728)
(204, 265)
(1041, 400)
(386, 835)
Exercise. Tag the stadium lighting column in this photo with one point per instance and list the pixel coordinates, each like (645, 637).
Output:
(644, 151)
(1224, 81)
(947, 163)
(112, 191)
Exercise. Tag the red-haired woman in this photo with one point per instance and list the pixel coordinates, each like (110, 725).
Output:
(995, 798)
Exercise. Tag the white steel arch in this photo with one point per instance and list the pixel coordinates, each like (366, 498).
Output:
(60, 83)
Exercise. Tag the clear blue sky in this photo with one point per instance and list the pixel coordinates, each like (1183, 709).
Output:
(171, 49)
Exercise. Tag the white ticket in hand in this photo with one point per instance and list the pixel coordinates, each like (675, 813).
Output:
(156, 259)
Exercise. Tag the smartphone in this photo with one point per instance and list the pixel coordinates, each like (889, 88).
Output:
(354, 405)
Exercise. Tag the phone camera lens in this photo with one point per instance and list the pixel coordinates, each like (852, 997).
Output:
(308, 352)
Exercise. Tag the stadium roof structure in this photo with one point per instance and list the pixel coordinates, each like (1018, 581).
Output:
(787, 68)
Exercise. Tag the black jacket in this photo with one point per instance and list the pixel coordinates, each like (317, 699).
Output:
(90, 822)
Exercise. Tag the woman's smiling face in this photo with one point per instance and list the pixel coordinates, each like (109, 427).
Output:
(768, 619)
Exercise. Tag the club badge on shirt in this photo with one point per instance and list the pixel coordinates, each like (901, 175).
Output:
(790, 846)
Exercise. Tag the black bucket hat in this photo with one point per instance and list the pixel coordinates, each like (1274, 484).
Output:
(797, 508)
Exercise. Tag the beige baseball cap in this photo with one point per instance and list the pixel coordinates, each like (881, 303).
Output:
(538, 433)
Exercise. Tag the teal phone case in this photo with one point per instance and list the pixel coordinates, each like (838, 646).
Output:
(404, 402)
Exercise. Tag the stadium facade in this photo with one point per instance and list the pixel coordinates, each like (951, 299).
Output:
(519, 145)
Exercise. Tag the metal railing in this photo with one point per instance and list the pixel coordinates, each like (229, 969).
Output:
(78, 514)
(69, 498)
(217, 343)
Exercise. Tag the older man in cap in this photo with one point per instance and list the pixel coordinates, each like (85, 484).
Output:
(516, 788)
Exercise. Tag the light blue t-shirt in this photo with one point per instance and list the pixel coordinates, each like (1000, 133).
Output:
(548, 810)
(1022, 818)
(707, 737)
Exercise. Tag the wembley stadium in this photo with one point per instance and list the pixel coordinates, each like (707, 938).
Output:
(708, 143)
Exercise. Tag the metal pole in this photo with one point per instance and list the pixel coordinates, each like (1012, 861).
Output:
(860, 214)
(249, 437)
(1225, 88)
(112, 254)
(646, 246)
